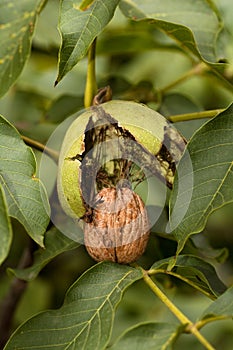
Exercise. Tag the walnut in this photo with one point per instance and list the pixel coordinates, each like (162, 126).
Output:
(119, 228)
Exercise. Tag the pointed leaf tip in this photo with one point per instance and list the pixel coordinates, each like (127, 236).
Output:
(79, 28)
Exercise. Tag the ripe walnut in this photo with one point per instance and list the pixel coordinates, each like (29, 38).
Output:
(119, 227)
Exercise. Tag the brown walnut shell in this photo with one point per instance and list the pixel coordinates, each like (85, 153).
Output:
(119, 228)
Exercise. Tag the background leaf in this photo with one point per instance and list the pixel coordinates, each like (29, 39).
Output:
(25, 197)
(85, 319)
(17, 21)
(79, 28)
(211, 154)
(154, 336)
(5, 228)
(195, 25)
(195, 270)
(63, 107)
(55, 243)
(140, 62)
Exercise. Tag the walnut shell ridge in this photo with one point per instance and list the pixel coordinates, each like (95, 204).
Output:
(119, 228)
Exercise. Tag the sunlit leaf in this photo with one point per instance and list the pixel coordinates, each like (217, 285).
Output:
(55, 243)
(211, 153)
(25, 198)
(86, 317)
(148, 336)
(194, 270)
(195, 25)
(5, 228)
(79, 28)
(17, 22)
(225, 7)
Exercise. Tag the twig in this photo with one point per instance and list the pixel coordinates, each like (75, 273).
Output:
(91, 85)
(199, 69)
(182, 278)
(196, 115)
(10, 303)
(40, 147)
(190, 327)
(207, 320)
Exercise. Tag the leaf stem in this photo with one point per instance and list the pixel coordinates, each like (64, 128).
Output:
(41, 147)
(205, 321)
(190, 327)
(91, 85)
(182, 278)
(196, 115)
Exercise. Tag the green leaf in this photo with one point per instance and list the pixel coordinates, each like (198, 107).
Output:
(146, 336)
(55, 243)
(5, 228)
(223, 306)
(25, 196)
(17, 22)
(177, 103)
(79, 28)
(86, 317)
(194, 24)
(211, 153)
(194, 271)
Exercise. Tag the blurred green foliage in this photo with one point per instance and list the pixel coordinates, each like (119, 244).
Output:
(139, 62)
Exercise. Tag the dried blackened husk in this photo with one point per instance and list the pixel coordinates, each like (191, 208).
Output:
(101, 128)
(102, 131)
(119, 230)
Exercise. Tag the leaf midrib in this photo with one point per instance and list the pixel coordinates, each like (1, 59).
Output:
(101, 306)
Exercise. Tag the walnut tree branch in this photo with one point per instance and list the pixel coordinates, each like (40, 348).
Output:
(11, 300)
(40, 147)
